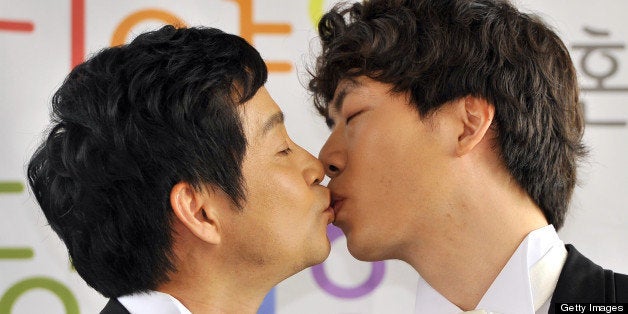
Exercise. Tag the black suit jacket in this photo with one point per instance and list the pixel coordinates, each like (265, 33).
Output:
(114, 307)
(582, 281)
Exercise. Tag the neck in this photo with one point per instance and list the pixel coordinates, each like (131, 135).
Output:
(481, 235)
(217, 290)
(210, 282)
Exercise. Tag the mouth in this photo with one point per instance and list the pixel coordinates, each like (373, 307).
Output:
(332, 215)
(329, 210)
(336, 203)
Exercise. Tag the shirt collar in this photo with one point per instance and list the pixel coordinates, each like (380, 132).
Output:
(512, 290)
(153, 302)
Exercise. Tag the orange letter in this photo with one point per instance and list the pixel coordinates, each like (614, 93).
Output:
(248, 29)
(121, 33)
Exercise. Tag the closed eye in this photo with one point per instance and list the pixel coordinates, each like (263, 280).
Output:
(285, 152)
(354, 115)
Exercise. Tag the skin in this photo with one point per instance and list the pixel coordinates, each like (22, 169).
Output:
(285, 211)
(228, 257)
(371, 151)
(431, 191)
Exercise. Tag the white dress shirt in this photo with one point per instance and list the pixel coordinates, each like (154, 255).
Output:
(524, 286)
(154, 302)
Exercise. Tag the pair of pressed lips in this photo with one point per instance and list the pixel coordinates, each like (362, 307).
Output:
(334, 207)
(332, 214)
(336, 203)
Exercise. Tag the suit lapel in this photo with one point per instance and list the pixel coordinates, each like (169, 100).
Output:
(581, 281)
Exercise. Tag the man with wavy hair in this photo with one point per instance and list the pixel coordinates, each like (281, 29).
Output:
(455, 137)
(169, 176)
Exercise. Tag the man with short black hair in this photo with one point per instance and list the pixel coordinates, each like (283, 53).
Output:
(170, 177)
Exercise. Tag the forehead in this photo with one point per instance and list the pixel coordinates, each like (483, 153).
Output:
(361, 86)
(258, 112)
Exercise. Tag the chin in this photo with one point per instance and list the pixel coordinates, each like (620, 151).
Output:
(320, 253)
(363, 252)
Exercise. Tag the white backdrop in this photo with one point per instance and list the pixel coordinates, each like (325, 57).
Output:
(41, 40)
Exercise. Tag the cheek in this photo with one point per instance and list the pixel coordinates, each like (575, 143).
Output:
(285, 186)
(382, 153)
(385, 167)
(283, 195)
(285, 219)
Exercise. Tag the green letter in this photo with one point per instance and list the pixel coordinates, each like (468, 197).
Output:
(61, 291)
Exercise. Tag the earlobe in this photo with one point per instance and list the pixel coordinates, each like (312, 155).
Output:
(477, 116)
(193, 209)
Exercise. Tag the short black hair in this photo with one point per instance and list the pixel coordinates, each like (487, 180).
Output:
(438, 51)
(127, 125)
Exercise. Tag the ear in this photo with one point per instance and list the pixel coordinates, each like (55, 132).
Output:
(476, 116)
(196, 211)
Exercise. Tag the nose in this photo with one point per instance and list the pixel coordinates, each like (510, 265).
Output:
(313, 170)
(332, 155)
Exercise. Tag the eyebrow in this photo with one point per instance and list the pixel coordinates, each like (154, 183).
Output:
(275, 119)
(338, 101)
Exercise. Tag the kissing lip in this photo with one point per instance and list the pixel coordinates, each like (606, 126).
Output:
(336, 203)
(328, 210)
(332, 215)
